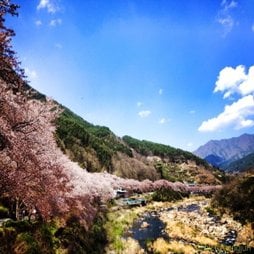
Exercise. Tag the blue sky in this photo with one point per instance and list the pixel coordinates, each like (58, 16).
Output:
(175, 72)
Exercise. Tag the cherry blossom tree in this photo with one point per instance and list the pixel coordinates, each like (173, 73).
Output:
(10, 69)
(26, 157)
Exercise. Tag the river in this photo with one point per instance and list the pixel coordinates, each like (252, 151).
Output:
(190, 227)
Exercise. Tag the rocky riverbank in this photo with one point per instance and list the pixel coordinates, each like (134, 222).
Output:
(188, 226)
(192, 225)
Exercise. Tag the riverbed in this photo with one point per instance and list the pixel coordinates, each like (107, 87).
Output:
(188, 226)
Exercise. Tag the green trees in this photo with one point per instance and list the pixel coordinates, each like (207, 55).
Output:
(165, 195)
(75, 134)
(237, 196)
(10, 70)
(150, 148)
(95, 147)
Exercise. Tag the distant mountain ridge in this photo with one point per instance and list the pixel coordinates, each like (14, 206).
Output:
(241, 165)
(221, 153)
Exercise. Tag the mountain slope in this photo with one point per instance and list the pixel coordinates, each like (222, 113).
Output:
(98, 149)
(241, 165)
(226, 151)
(81, 138)
(214, 160)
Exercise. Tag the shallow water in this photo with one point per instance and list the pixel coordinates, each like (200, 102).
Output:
(189, 208)
(149, 228)
(154, 229)
(154, 226)
(230, 238)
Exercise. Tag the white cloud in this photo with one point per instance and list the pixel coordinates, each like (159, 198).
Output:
(239, 114)
(252, 28)
(224, 16)
(55, 22)
(231, 81)
(227, 22)
(38, 23)
(160, 91)
(139, 104)
(190, 144)
(49, 5)
(31, 74)
(227, 5)
(144, 113)
(192, 112)
(164, 120)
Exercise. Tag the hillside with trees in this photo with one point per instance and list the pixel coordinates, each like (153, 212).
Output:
(79, 139)
(237, 197)
(147, 148)
(241, 165)
(98, 149)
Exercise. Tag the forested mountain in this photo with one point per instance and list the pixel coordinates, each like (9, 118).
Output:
(241, 165)
(80, 138)
(223, 152)
(98, 149)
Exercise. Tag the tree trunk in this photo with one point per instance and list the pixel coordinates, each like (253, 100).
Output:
(17, 208)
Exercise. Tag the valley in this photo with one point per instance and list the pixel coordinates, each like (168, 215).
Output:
(186, 226)
(69, 186)
(97, 149)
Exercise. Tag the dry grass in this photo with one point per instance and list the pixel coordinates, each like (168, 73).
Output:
(181, 227)
(61, 251)
(246, 235)
(131, 246)
(187, 235)
(177, 229)
(160, 246)
(134, 168)
(203, 240)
